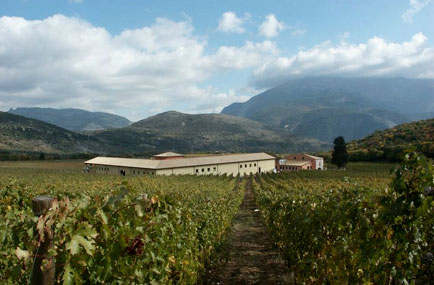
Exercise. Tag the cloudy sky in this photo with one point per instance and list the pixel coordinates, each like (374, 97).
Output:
(137, 58)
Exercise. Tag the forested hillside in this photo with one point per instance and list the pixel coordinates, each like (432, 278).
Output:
(204, 133)
(18, 133)
(388, 144)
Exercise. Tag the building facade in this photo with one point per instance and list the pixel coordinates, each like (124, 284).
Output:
(236, 164)
(301, 161)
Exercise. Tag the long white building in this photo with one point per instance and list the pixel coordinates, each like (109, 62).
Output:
(234, 164)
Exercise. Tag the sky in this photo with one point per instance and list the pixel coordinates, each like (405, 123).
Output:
(137, 58)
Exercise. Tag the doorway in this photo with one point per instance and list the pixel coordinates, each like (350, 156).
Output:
(122, 172)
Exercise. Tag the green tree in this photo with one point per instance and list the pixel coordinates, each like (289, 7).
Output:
(340, 154)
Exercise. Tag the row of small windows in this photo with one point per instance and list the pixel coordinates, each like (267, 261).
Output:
(288, 167)
(208, 169)
(134, 172)
(102, 168)
(144, 172)
(250, 165)
(292, 167)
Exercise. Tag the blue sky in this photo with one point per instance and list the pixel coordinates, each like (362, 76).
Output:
(138, 58)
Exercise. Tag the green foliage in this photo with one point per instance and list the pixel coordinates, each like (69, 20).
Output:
(147, 230)
(356, 231)
(388, 145)
(18, 133)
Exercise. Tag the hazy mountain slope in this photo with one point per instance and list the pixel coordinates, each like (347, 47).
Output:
(387, 144)
(74, 119)
(24, 134)
(205, 132)
(325, 107)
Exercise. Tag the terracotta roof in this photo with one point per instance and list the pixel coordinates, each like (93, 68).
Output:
(176, 163)
(168, 154)
(295, 163)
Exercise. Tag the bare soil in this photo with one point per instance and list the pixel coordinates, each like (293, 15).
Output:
(250, 257)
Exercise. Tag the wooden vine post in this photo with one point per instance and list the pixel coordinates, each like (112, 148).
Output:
(41, 204)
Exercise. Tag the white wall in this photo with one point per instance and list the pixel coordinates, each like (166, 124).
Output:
(242, 168)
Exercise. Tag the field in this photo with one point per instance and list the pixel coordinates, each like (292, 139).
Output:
(356, 226)
(141, 230)
(338, 226)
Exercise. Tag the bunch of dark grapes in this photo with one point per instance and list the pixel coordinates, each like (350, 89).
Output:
(136, 247)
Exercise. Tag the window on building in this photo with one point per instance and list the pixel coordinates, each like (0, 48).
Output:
(245, 165)
(295, 157)
(254, 164)
(203, 169)
(241, 166)
(197, 170)
(134, 172)
(250, 165)
(209, 169)
(214, 168)
(302, 157)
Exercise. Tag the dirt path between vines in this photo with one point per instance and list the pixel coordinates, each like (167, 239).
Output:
(251, 258)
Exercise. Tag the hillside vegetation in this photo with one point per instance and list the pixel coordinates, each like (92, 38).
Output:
(327, 107)
(353, 227)
(167, 131)
(74, 119)
(388, 144)
(18, 133)
(204, 132)
(153, 230)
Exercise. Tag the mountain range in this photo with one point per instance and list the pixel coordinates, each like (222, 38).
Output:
(18, 133)
(73, 119)
(167, 131)
(204, 133)
(299, 115)
(327, 107)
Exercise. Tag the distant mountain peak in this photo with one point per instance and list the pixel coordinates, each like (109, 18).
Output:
(73, 119)
(326, 107)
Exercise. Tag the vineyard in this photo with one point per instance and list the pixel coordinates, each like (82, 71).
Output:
(157, 230)
(358, 226)
(355, 229)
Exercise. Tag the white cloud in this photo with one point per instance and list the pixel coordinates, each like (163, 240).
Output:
(271, 27)
(415, 7)
(219, 100)
(249, 55)
(376, 57)
(66, 62)
(231, 23)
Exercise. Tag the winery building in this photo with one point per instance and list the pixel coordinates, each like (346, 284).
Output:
(301, 161)
(176, 164)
